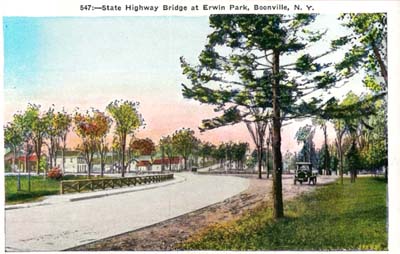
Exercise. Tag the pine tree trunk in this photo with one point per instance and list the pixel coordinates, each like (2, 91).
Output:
(381, 64)
(326, 163)
(276, 141)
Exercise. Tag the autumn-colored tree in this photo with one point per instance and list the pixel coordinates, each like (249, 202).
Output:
(88, 129)
(127, 120)
(143, 146)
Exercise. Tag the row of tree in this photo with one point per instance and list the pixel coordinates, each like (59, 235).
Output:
(359, 138)
(33, 130)
(184, 143)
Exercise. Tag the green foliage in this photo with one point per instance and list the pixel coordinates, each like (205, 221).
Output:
(334, 163)
(43, 164)
(235, 71)
(34, 126)
(184, 143)
(167, 145)
(305, 136)
(127, 120)
(39, 187)
(13, 136)
(334, 217)
(205, 151)
(220, 152)
(368, 46)
(324, 157)
(247, 73)
(126, 116)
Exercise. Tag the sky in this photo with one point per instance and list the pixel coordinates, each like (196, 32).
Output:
(84, 62)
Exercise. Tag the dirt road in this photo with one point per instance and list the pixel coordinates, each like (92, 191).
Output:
(165, 235)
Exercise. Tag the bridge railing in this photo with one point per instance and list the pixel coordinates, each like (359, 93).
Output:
(71, 186)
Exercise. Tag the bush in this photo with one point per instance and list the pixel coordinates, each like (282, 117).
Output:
(55, 173)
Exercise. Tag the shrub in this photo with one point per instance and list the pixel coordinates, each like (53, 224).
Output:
(55, 173)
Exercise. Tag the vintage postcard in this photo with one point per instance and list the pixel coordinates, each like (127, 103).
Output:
(200, 126)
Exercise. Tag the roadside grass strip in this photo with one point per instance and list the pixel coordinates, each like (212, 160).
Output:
(334, 217)
(40, 187)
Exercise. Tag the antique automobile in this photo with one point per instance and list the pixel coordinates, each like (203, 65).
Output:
(304, 173)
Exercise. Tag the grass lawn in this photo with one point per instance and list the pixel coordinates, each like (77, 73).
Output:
(334, 217)
(39, 187)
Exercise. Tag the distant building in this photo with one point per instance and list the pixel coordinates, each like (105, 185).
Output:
(177, 164)
(145, 163)
(74, 162)
(20, 162)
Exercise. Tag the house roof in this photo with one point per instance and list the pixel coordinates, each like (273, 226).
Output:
(21, 158)
(143, 163)
(174, 160)
(31, 157)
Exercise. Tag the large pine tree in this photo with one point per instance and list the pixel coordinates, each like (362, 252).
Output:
(258, 69)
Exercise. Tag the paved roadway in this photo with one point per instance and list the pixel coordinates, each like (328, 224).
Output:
(63, 225)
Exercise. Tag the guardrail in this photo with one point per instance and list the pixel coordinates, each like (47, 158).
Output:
(70, 186)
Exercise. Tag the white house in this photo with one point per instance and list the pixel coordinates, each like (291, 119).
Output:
(134, 163)
(74, 162)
